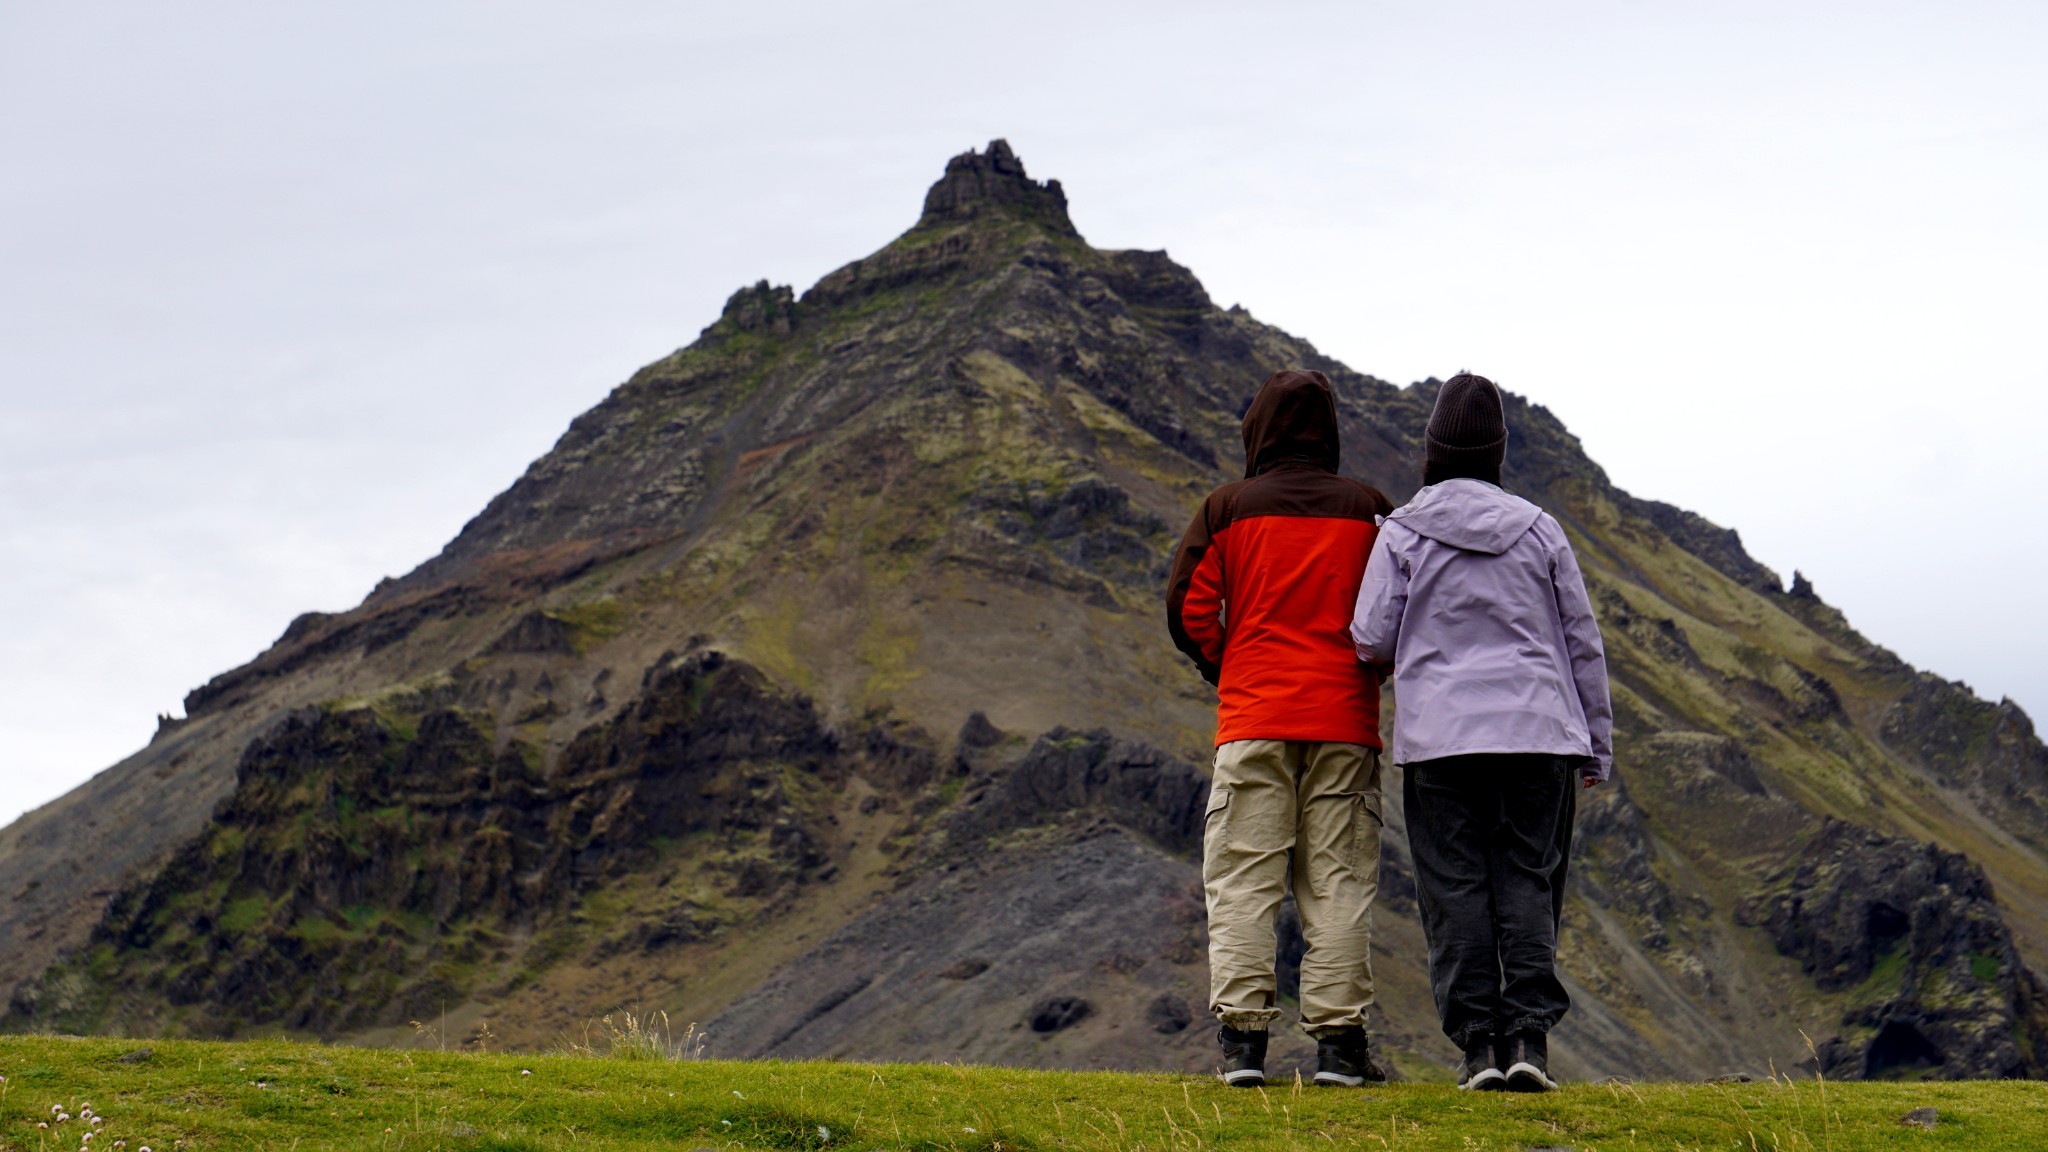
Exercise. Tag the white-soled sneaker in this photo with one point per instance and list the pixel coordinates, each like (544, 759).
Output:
(1244, 1057)
(1528, 1061)
(1481, 1070)
(1344, 1059)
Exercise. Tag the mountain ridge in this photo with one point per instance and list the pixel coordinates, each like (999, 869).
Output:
(931, 498)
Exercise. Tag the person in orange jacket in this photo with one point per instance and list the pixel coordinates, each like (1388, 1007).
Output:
(1260, 598)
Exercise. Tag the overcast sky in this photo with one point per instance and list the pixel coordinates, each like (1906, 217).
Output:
(289, 291)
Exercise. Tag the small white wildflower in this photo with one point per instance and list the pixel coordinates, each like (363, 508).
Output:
(965, 1128)
(63, 1116)
(56, 1108)
(96, 1121)
(824, 1133)
(526, 1071)
(727, 1123)
(739, 1094)
(43, 1124)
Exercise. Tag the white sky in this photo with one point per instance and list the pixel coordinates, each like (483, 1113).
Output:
(287, 292)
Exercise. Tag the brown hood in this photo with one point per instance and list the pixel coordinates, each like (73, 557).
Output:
(1294, 417)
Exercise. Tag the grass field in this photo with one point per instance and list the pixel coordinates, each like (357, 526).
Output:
(190, 1095)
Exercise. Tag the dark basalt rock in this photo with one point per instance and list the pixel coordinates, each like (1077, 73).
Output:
(1854, 903)
(1700, 759)
(1092, 525)
(1168, 1014)
(761, 307)
(1612, 842)
(314, 636)
(1135, 785)
(899, 756)
(340, 811)
(535, 632)
(1720, 547)
(979, 182)
(1987, 750)
(1802, 588)
(979, 732)
(975, 947)
(1051, 1015)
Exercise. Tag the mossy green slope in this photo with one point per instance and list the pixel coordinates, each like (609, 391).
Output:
(945, 481)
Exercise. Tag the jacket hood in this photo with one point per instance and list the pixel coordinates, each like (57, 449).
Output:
(1468, 514)
(1294, 417)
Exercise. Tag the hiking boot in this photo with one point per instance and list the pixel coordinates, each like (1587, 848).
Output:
(1527, 1057)
(1244, 1057)
(1481, 1070)
(1344, 1059)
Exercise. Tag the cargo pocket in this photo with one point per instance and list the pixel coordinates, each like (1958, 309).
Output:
(1217, 814)
(1215, 829)
(1365, 831)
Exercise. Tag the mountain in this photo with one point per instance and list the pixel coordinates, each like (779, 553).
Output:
(815, 687)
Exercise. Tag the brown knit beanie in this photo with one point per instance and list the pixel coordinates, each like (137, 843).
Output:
(1467, 434)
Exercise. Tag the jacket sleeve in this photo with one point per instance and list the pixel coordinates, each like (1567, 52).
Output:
(1382, 601)
(1194, 596)
(1588, 654)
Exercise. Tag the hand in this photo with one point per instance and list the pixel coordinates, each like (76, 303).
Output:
(1587, 780)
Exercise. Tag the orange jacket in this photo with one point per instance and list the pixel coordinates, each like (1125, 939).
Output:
(1266, 578)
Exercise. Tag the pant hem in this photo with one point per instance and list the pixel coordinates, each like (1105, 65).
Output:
(1528, 1026)
(1256, 1020)
(1464, 1037)
(1318, 1031)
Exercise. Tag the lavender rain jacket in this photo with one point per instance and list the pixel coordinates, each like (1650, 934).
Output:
(1475, 598)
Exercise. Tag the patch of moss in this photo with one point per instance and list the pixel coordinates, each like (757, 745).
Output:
(242, 915)
(593, 622)
(1885, 979)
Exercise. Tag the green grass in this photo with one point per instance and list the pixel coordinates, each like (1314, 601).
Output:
(299, 1096)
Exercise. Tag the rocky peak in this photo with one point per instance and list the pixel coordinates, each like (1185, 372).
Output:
(762, 306)
(977, 183)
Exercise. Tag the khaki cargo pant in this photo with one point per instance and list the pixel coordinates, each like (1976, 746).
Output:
(1307, 808)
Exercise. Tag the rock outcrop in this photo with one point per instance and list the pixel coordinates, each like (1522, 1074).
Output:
(375, 861)
(1914, 934)
(1066, 772)
(1987, 750)
(979, 182)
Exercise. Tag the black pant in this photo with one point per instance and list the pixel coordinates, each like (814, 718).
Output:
(1491, 836)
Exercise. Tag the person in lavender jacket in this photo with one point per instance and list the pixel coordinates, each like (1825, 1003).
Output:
(1474, 597)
